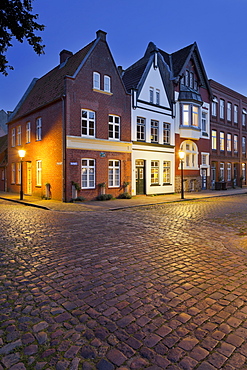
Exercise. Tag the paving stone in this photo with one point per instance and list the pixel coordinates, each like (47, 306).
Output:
(104, 365)
(19, 366)
(116, 357)
(188, 343)
(10, 360)
(40, 326)
(10, 347)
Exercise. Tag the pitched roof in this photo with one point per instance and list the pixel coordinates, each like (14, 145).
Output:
(50, 87)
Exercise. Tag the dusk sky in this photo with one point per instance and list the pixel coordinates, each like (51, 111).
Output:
(218, 27)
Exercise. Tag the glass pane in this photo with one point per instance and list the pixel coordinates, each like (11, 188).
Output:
(91, 115)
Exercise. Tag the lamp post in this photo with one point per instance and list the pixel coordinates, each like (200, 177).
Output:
(21, 153)
(181, 156)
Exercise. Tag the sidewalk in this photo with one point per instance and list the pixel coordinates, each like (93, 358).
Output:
(115, 204)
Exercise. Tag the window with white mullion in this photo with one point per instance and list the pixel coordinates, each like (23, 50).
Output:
(87, 173)
(140, 128)
(96, 80)
(154, 131)
(114, 173)
(114, 127)
(87, 123)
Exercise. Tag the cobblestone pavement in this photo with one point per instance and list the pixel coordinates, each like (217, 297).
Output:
(157, 287)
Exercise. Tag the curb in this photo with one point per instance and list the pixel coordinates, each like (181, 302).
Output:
(26, 204)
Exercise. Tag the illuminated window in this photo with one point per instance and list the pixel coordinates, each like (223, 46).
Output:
(222, 141)
(107, 83)
(214, 139)
(243, 145)
(235, 143)
(167, 133)
(38, 173)
(244, 171)
(154, 172)
(87, 173)
(114, 173)
(166, 172)
(28, 132)
(186, 115)
(195, 119)
(18, 135)
(96, 80)
(114, 127)
(13, 137)
(190, 115)
(229, 143)
(12, 173)
(87, 122)
(38, 128)
(140, 128)
(154, 131)
(191, 154)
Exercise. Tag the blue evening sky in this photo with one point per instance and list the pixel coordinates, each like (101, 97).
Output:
(218, 27)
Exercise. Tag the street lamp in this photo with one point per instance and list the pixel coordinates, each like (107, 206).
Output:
(21, 153)
(181, 156)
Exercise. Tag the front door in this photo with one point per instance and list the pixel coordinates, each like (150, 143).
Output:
(29, 178)
(140, 176)
(204, 178)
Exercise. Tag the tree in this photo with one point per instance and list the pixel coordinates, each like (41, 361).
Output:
(17, 20)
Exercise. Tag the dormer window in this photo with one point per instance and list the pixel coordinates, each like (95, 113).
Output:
(96, 80)
(192, 80)
(187, 78)
(107, 83)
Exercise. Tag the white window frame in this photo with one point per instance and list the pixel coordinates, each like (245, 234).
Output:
(222, 171)
(87, 173)
(151, 95)
(140, 128)
(229, 171)
(18, 173)
(107, 83)
(222, 109)
(195, 115)
(190, 115)
(12, 173)
(38, 173)
(155, 169)
(166, 172)
(114, 173)
(38, 129)
(235, 113)
(214, 139)
(166, 133)
(229, 111)
(157, 97)
(244, 112)
(18, 135)
(204, 121)
(222, 141)
(96, 80)
(87, 123)
(154, 131)
(191, 154)
(13, 137)
(114, 127)
(28, 132)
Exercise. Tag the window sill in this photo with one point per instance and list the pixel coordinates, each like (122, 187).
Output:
(155, 185)
(103, 92)
(166, 184)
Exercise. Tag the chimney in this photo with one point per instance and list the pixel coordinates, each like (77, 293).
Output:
(101, 35)
(64, 54)
(120, 70)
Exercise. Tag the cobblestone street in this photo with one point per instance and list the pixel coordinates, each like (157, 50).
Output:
(155, 287)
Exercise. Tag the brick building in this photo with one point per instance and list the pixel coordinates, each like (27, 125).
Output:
(74, 124)
(228, 136)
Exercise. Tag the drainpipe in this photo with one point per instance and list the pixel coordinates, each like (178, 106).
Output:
(64, 146)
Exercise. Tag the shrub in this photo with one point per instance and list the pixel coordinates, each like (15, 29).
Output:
(125, 196)
(104, 197)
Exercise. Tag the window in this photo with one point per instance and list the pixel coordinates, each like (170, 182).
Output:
(192, 80)
(18, 135)
(87, 123)
(114, 173)
(229, 111)
(96, 80)
(38, 173)
(157, 97)
(195, 112)
(107, 83)
(229, 172)
(28, 132)
(214, 139)
(187, 78)
(235, 114)
(13, 137)
(244, 112)
(154, 131)
(186, 115)
(166, 172)
(205, 159)
(18, 174)
(167, 133)
(235, 143)
(222, 141)
(204, 121)
(38, 128)
(214, 106)
(191, 154)
(154, 172)
(229, 143)
(140, 128)
(87, 173)
(222, 172)
(243, 145)
(12, 173)
(151, 95)
(244, 171)
(114, 127)
(222, 108)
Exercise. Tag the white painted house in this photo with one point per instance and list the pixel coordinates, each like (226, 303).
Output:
(153, 136)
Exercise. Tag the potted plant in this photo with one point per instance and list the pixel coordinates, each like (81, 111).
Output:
(241, 181)
(125, 186)
(75, 188)
(102, 186)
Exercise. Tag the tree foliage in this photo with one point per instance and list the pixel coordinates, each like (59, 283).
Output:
(17, 20)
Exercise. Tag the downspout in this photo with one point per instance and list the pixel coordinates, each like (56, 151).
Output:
(64, 146)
